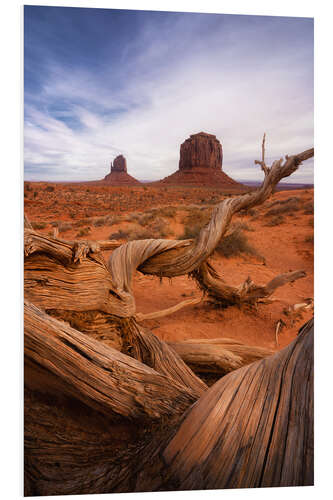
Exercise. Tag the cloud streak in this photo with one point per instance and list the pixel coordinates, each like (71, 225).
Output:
(177, 74)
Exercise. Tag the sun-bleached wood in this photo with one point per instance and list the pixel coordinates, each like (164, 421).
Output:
(217, 356)
(101, 377)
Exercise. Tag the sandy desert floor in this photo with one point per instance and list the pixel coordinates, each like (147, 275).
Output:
(280, 234)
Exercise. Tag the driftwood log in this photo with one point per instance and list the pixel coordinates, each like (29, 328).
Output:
(110, 407)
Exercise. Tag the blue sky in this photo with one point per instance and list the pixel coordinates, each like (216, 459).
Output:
(100, 82)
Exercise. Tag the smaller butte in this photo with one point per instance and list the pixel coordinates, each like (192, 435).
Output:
(118, 175)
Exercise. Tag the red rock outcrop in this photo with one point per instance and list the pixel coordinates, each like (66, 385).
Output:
(119, 164)
(118, 175)
(200, 164)
(201, 151)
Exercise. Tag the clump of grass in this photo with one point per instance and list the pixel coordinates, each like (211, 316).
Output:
(81, 222)
(196, 215)
(168, 211)
(194, 221)
(107, 220)
(141, 219)
(100, 221)
(308, 208)
(234, 244)
(119, 235)
(242, 226)
(38, 225)
(213, 201)
(249, 212)
(292, 199)
(191, 231)
(288, 206)
(83, 231)
(64, 226)
(275, 221)
(157, 229)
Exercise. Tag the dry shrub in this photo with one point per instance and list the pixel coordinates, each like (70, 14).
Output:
(119, 235)
(157, 229)
(191, 231)
(83, 232)
(248, 212)
(241, 225)
(308, 208)
(196, 218)
(168, 211)
(311, 222)
(234, 244)
(38, 225)
(285, 201)
(49, 189)
(275, 221)
(288, 206)
(214, 200)
(197, 215)
(107, 220)
(309, 239)
(100, 221)
(141, 219)
(64, 226)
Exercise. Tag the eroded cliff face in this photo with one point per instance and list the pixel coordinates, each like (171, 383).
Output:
(119, 164)
(201, 151)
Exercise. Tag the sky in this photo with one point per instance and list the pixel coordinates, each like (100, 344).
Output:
(103, 82)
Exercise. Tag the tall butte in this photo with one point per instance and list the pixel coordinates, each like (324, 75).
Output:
(200, 164)
(118, 175)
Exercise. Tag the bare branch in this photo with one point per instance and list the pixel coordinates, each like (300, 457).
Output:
(218, 356)
(247, 292)
(262, 162)
(170, 310)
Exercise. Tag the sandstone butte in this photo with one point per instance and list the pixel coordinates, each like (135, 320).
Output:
(118, 175)
(200, 164)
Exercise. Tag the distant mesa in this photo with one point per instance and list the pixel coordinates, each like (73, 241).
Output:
(200, 164)
(118, 175)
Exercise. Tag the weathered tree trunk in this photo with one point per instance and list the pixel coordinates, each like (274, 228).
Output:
(101, 377)
(217, 356)
(253, 428)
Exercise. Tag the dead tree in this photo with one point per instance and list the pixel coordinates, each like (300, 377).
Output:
(106, 401)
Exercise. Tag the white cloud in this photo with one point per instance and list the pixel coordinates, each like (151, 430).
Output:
(166, 96)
